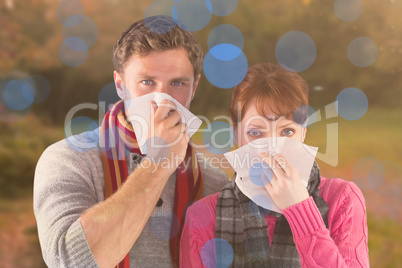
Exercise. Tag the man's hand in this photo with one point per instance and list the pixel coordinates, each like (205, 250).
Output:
(167, 130)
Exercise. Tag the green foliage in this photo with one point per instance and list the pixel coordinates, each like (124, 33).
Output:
(31, 36)
(384, 241)
(21, 145)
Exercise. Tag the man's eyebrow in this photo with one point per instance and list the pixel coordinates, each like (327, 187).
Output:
(145, 76)
(182, 78)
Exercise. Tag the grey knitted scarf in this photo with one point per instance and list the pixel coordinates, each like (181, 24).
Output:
(242, 223)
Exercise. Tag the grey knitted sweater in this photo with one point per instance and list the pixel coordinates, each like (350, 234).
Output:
(68, 182)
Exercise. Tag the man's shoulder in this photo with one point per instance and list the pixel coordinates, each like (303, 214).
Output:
(214, 177)
(76, 149)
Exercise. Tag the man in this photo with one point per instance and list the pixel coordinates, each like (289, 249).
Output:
(99, 207)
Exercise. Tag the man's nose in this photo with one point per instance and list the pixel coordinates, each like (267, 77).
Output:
(162, 88)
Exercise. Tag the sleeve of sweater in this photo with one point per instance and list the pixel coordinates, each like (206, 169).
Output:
(63, 190)
(345, 243)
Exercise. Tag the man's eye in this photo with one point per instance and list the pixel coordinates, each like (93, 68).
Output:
(288, 132)
(254, 132)
(177, 83)
(147, 82)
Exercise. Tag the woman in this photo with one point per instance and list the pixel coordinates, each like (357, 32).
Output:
(321, 226)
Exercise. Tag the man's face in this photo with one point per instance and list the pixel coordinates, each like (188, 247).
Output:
(167, 72)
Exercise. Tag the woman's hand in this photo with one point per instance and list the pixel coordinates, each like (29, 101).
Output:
(285, 188)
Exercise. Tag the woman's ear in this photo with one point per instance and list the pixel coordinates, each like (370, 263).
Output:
(118, 81)
(304, 132)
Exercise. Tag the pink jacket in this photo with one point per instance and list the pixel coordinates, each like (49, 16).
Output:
(343, 245)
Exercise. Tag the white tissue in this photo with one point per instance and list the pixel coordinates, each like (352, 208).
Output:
(299, 155)
(139, 111)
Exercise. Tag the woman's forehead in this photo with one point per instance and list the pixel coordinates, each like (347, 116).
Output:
(263, 111)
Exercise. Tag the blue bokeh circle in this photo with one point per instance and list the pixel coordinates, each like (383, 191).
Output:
(226, 34)
(82, 28)
(296, 51)
(71, 57)
(18, 94)
(351, 104)
(348, 10)
(225, 73)
(191, 15)
(362, 51)
(217, 252)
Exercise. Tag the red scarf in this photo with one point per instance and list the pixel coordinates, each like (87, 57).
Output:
(117, 139)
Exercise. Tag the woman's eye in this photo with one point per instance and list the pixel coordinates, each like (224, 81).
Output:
(288, 132)
(147, 82)
(177, 83)
(254, 132)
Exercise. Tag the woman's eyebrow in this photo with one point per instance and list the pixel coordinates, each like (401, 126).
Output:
(285, 125)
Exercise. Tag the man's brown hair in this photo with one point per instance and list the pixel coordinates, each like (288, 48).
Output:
(283, 91)
(157, 33)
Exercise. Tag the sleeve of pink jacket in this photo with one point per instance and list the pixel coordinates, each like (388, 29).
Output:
(343, 245)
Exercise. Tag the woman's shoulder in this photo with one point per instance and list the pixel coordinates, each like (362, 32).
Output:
(337, 186)
(204, 206)
(341, 194)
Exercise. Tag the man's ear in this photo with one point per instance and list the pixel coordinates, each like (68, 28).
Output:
(118, 81)
(195, 86)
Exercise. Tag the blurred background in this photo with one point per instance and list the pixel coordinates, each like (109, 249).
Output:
(55, 55)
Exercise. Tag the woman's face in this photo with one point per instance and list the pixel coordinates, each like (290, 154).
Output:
(255, 126)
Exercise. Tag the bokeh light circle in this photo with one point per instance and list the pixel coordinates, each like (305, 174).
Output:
(351, 103)
(296, 51)
(191, 15)
(362, 51)
(81, 28)
(222, 8)
(368, 173)
(161, 225)
(218, 137)
(107, 97)
(75, 44)
(225, 74)
(391, 186)
(217, 252)
(18, 94)
(67, 8)
(348, 10)
(157, 8)
(71, 57)
(225, 52)
(41, 86)
(226, 34)
(81, 133)
(303, 113)
(6, 113)
(261, 174)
